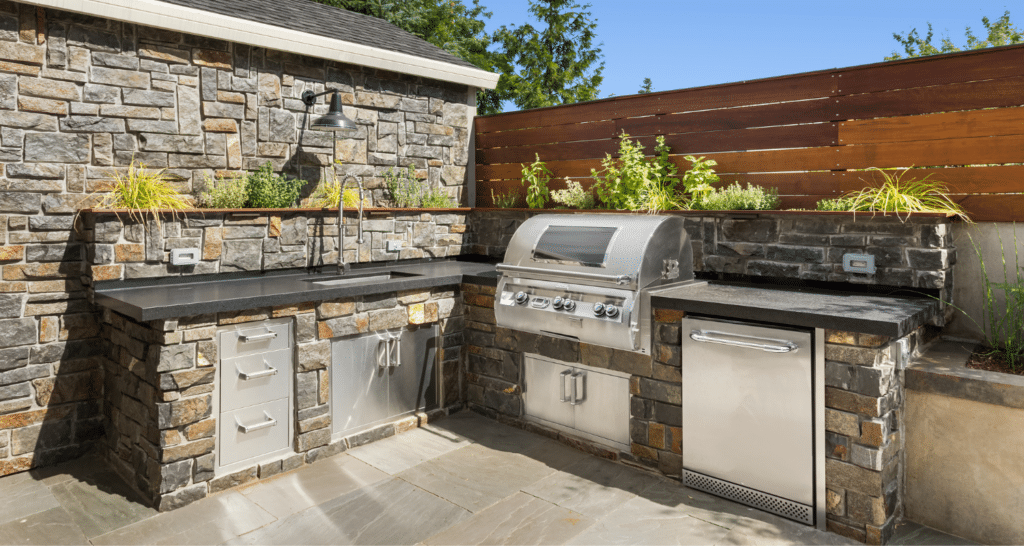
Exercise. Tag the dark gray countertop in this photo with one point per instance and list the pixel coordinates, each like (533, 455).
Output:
(886, 315)
(183, 296)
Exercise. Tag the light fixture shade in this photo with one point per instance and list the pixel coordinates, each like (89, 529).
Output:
(334, 120)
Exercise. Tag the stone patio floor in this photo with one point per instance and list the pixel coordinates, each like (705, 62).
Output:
(461, 480)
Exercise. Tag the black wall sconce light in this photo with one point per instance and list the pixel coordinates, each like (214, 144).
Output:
(335, 120)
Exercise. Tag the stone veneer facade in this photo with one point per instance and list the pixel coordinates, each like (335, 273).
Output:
(863, 405)
(82, 97)
(160, 378)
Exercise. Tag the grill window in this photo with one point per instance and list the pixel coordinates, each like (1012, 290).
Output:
(580, 245)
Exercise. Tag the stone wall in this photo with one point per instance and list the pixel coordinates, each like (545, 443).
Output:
(81, 97)
(160, 381)
(119, 248)
(863, 401)
(915, 253)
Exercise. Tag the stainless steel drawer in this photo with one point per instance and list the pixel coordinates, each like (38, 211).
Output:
(253, 431)
(255, 339)
(254, 379)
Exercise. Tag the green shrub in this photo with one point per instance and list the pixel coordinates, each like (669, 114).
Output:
(437, 198)
(266, 190)
(574, 196)
(736, 197)
(839, 204)
(698, 180)
(223, 193)
(508, 200)
(143, 192)
(407, 191)
(632, 182)
(537, 176)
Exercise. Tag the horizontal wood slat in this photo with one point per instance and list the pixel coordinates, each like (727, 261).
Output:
(927, 100)
(975, 123)
(959, 180)
(960, 151)
(994, 208)
(791, 136)
(927, 71)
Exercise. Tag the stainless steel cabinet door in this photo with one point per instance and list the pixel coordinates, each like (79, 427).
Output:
(602, 404)
(359, 393)
(548, 391)
(413, 385)
(747, 411)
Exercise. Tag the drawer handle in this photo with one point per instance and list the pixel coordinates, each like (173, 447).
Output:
(577, 388)
(565, 375)
(244, 338)
(256, 375)
(246, 429)
(785, 347)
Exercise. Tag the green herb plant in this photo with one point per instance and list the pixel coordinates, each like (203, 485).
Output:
(536, 177)
(736, 197)
(223, 193)
(266, 190)
(437, 198)
(632, 182)
(144, 192)
(508, 200)
(409, 192)
(898, 195)
(574, 196)
(698, 180)
(1003, 324)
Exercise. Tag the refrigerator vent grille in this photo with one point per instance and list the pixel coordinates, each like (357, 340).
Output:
(769, 503)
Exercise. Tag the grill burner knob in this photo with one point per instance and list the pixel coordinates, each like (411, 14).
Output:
(521, 297)
(557, 303)
(598, 309)
(569, 305)
(611, 311)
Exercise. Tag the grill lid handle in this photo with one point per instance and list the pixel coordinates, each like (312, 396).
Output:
(617, 279)
(779, 346)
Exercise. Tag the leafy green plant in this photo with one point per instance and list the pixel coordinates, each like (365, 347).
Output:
(437, 198)
(839, 204)
(143, 192)
(537, 175)
(328, 193)
(266, 190)
(898, 195)
(508, 200)
(1003, 324)
(403, 187)
(632, 182)
(223, 193)
(574, 196)
(698, 180)
(736, 197)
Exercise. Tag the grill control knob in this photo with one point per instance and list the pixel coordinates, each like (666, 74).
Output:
(521, 297)
(557, 303)
(569, 305)
(598, 309)
(611, 311)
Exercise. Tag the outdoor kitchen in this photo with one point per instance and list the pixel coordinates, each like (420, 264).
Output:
(301, 363)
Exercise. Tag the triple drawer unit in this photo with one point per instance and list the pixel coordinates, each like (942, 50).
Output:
(255, 399)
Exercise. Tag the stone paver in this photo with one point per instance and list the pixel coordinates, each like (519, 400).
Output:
(462, 480)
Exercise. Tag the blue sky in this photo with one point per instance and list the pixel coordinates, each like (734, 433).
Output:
(686, 43)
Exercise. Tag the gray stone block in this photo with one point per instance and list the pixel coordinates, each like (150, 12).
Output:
(17, 331)
(866, 457)
(20, 202)
(173, 357)
(182, 497)
(120, 78)
(175, 475)
(56, 148)
(15, 357)
(241, 255)
(203, 469)
(20, 390)
(10, 307)
(148, 98)
(111, 60)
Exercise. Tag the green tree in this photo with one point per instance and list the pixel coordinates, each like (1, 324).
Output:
(557, 64)
(647, 87)
(1000, 33)
(449, 24)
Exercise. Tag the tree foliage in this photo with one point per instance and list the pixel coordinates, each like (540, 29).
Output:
(999, 33)
(646, 87)
(556, 64)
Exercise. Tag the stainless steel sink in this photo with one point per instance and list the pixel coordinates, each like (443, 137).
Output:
(343, 280)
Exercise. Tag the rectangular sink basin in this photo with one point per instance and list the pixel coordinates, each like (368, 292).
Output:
(342, 280)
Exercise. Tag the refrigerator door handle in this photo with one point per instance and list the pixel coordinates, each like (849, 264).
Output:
(578, 387)
(774, 345)
(565, 375)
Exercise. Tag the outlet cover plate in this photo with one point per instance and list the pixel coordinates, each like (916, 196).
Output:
(859, 263)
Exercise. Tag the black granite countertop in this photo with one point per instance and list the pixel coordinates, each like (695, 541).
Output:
(887, 315)
(183, 296)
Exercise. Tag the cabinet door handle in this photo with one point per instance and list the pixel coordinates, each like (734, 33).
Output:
(396, 355)
(779, 345)
(565, 375)
(246, 429)
(383, 353)
(245, 338)
(255, 375)
(578, 388)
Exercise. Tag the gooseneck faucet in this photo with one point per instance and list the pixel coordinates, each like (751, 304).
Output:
(343, 266)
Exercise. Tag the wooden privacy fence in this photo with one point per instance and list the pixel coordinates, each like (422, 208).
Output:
(810, 135)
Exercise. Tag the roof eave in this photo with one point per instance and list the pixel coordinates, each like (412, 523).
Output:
(212, 25)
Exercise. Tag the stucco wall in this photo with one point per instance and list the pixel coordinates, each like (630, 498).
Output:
(993, 240)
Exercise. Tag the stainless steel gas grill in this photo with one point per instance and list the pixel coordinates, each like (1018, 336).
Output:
(587, 276)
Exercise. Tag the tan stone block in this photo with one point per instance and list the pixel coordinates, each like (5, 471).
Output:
(185, 451)
(170, 438)
(417, 314)
(22, 53)
(656, 435)
(274, 229)
(245, 316)
(107, 272)
(135, 112)
(676, 435)
(457, 228)
(332, 309)
(292, 310)
(839, 336)
(868, 340)
(324, 330)
(195, 334)
(834, 502)
(129, 253)
(43, 287)
(479, 300)
(48, 89)
(19, 420)
(234, 145)
(10, 253)
(872, 433)
(325, 386)
(219, 125)
(841, 422)
(668, 315)
(167, 114)
(12, 287)
(202, 429)
(413, 296)
(48, 329)
(231, 97)
(634, 385)
(213, 237)
(643, 452)
(13, 466)
(212, 58)
(19, 68)
(44, 106)
(169, 54)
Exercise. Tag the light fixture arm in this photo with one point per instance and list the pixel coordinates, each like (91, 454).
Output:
(309, 99)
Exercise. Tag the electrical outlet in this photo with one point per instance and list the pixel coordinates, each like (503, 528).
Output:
(392, 245)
